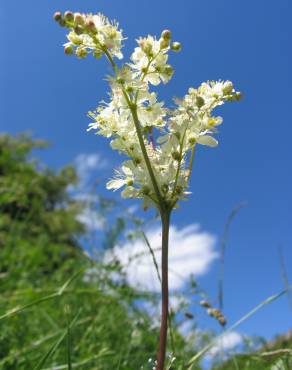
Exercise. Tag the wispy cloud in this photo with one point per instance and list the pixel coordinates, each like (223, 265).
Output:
(88, 164)
(228, 342)
(191, 251)
(91, 219)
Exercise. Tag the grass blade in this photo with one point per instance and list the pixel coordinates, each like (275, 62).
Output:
(236, 324)
(55, 346)
(229, 220)
(58, 293)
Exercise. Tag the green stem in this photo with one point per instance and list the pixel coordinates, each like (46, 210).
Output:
(191, 163)
(146, 158)
(179, 162)
(133, 108)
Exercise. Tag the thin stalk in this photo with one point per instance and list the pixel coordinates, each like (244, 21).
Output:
(179, 162)
(191, 163)
(159, 278)
(133, 108)
(146, 158)
(165, 218)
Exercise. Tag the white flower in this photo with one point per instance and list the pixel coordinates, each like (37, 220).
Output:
(150, 61)
(157, 142)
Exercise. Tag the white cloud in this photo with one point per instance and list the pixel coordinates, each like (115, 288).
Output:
(226, 343)
(191, 251)
(86, 165)
(91, 219)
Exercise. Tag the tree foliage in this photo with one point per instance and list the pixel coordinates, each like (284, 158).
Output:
(40, 250)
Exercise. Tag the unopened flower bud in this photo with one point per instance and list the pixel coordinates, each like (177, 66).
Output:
(222, 321)
(69, 16)
(166, 34)
(130, 182)
(78, 30)
(58, 16)
(227, 88)
(164, 188)
(145, 190)
(91, 25)
(210, 312)
(68, 49)
(176, 46)
(81, 52)
(189, 315)
(205, 303)
(179, 189)
(129, 89)
(192, 140)
(97, 54)
(199, 101)
(238, 96)
(137, 161)
(62, 22)
(168, 70)
(164, 43)
(78, 19)
(176, 156)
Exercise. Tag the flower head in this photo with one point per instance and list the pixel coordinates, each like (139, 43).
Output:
(158, 142)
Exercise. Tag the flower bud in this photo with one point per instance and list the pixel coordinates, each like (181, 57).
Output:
(238, 96)
(137, 161)
(176, 156)
(62, 22)
(130, 182)
(164, 188)
(68, 49)
(205, 303)
(145, 190)
(78, 19)
(176, 46)
(69, 16)
(81, 52)
(78, 30)
(192, 140)
(129, 89)
(168, 70)
(166, 34)
(90, 25)
(58, 16)
(97, 54)
(199, 101)
(189, 315)
(222, 321)
(227, 88)
(164, 43)
(178, 190)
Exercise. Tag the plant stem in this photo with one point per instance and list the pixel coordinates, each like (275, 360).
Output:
(165, 218)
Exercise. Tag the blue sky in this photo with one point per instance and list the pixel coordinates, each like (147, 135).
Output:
(247, 42)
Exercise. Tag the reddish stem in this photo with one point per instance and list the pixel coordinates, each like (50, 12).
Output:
(165, 218)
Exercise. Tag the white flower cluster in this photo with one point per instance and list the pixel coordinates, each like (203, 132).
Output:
(158, 142)
(91, 33)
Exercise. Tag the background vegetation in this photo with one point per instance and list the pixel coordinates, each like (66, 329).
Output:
(61, 309)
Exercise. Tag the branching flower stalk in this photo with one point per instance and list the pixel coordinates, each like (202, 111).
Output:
(159, 143)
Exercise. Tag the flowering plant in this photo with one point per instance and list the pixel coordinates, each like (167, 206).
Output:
(159, 142)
